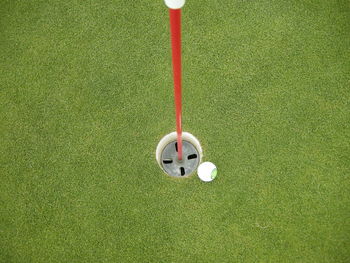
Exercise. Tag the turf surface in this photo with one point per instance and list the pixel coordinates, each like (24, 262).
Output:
(86, 94)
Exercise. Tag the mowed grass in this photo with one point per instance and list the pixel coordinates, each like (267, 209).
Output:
(86, 94)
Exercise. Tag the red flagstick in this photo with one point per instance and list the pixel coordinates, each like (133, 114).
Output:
(175, 28)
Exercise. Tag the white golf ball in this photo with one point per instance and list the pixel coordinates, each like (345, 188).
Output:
(207, 171)
(174, 4)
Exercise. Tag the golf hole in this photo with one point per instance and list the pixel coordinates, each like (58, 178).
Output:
(167, 155)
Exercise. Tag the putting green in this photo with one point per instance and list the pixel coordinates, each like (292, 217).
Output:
(86, 94)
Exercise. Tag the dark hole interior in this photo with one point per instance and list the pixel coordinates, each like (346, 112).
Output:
(176, 146)
(167, 161)
(182, 171)
(192, 156)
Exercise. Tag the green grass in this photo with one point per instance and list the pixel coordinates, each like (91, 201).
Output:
(86, 94)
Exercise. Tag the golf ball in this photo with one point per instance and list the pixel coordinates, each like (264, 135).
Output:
(174, 4)
(207, 171)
